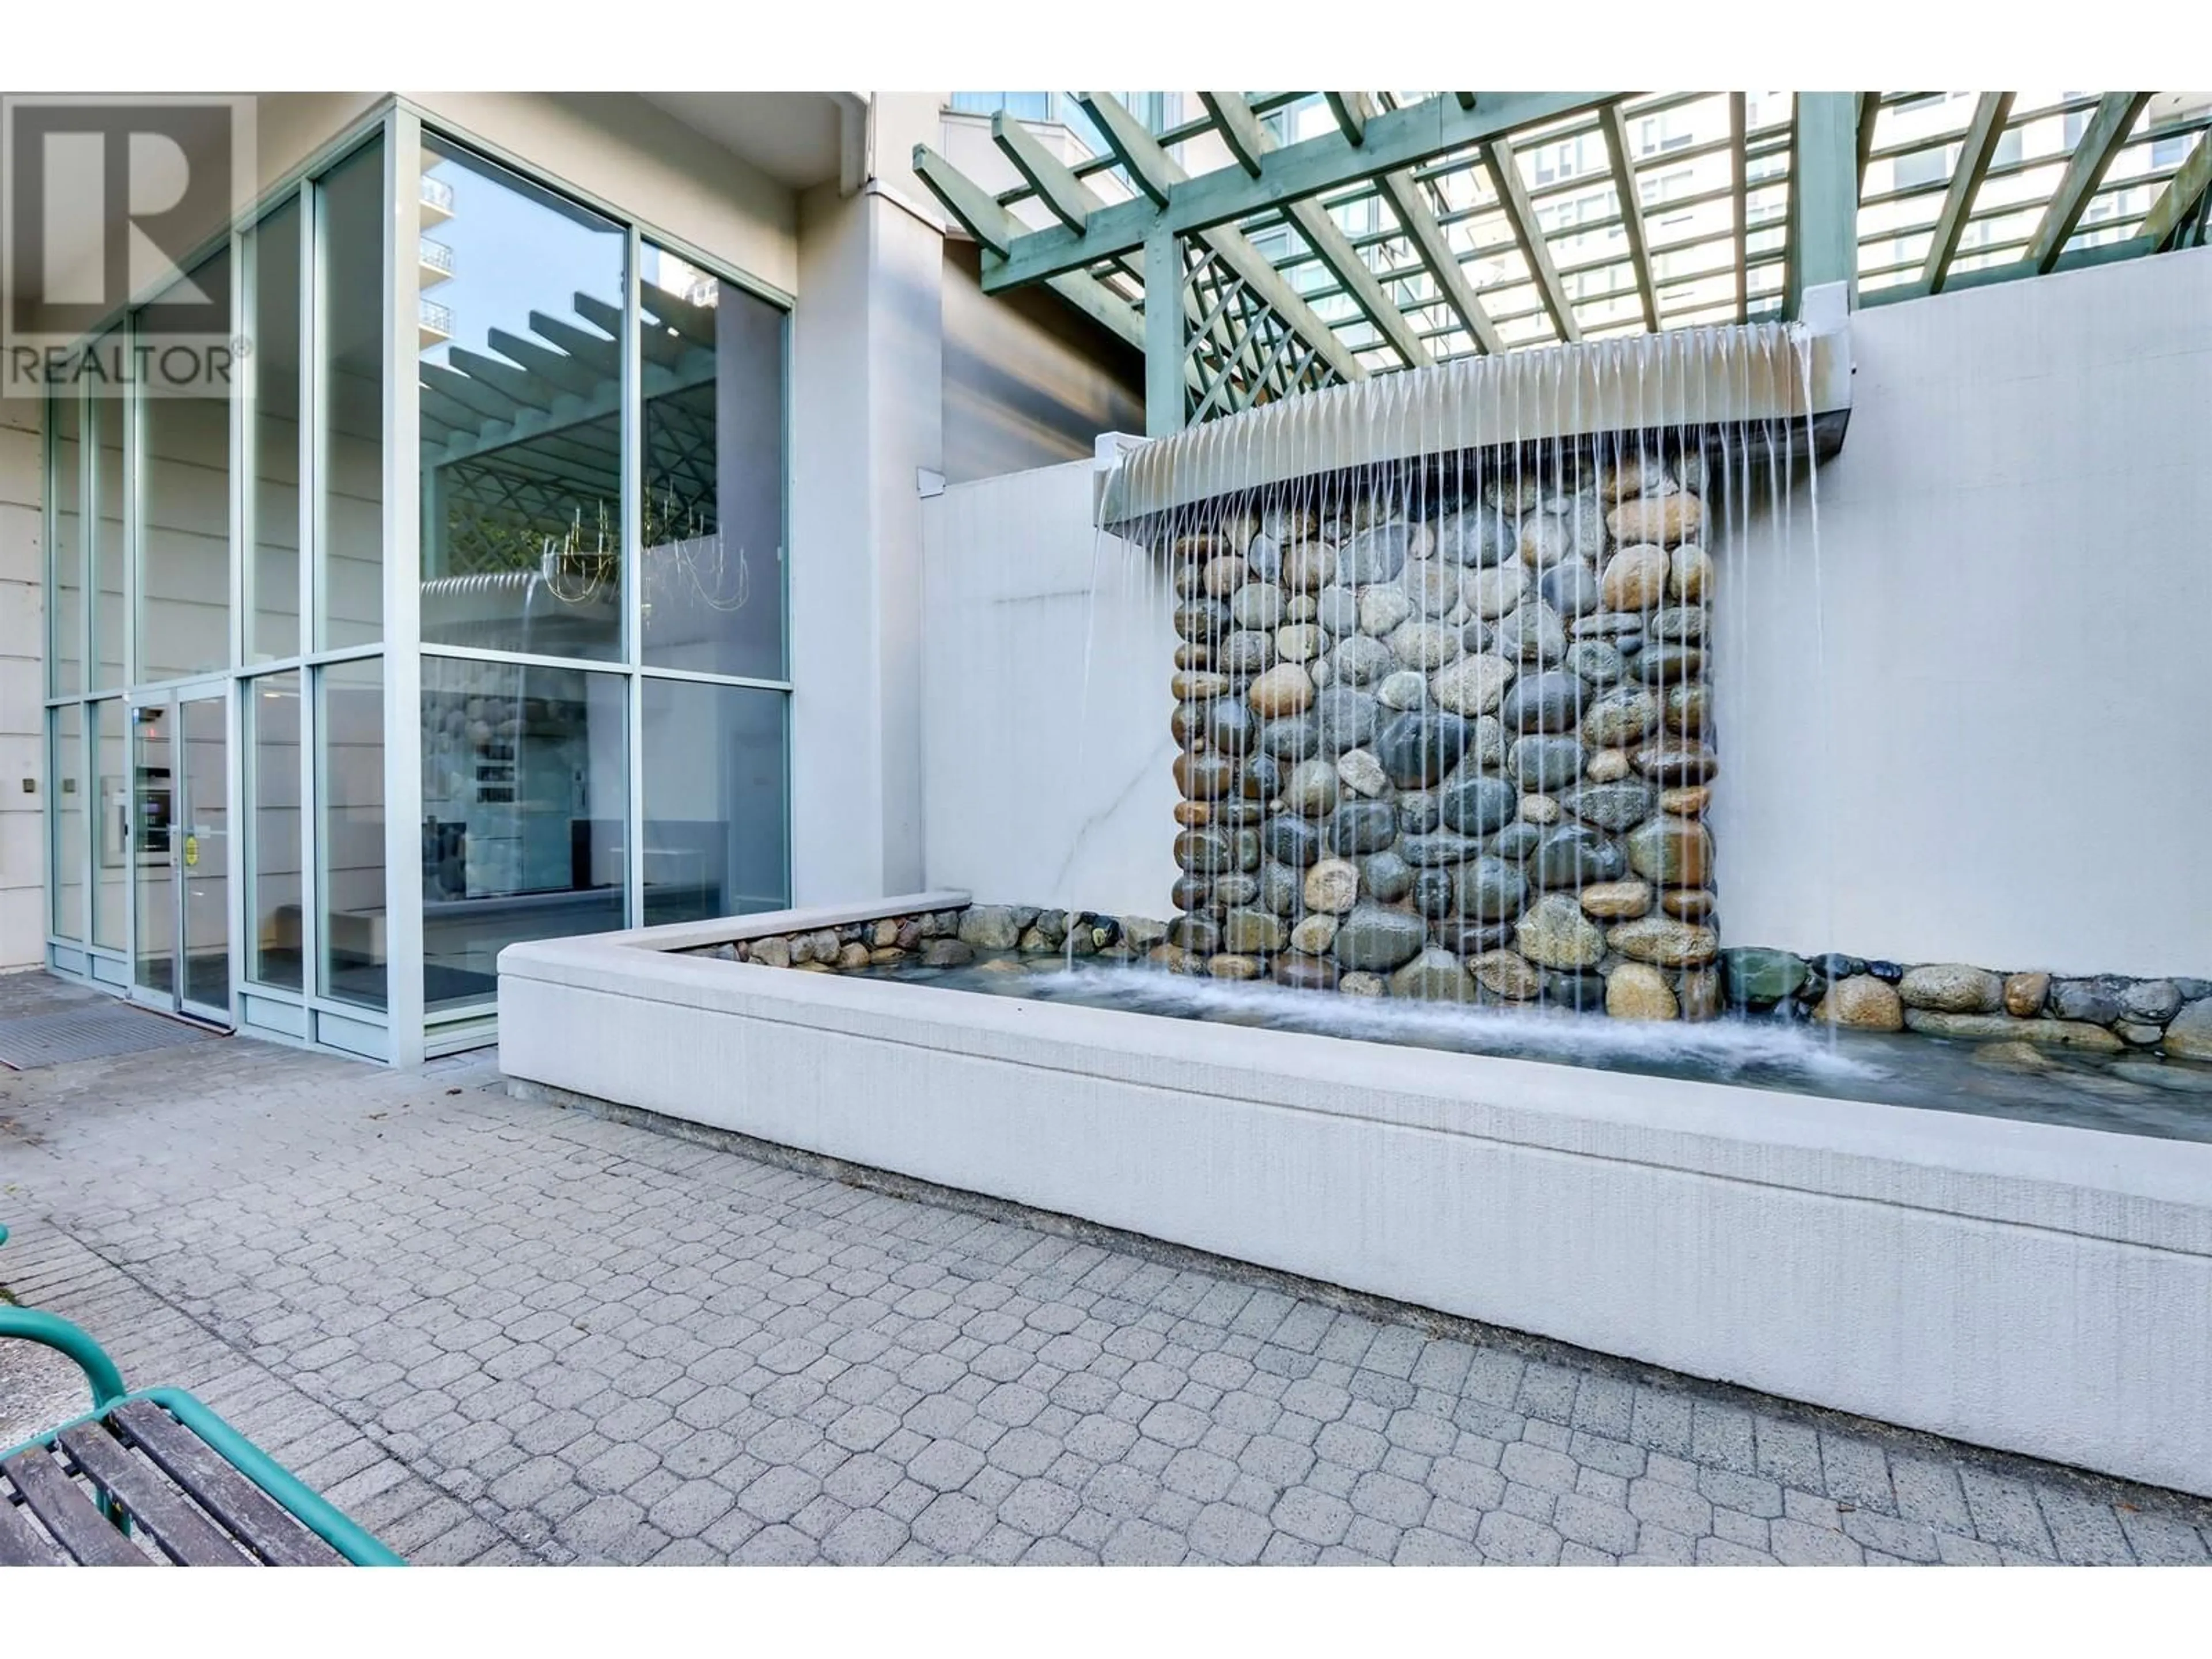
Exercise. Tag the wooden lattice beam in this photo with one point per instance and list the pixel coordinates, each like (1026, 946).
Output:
(2100, 142)
(1976, 151)
(1631, 209)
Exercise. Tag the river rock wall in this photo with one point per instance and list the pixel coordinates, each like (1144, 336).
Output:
(1453, 747)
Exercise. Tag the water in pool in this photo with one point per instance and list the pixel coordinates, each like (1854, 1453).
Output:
(2128, 1094)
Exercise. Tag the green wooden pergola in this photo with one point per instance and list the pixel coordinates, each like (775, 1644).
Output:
(1331, 236)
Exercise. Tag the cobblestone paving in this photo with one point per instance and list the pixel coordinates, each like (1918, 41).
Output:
(498, 1331)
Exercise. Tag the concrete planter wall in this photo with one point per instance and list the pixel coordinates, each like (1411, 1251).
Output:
(2042, 1290)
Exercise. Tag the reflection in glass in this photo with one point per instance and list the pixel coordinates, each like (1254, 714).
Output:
(349, 393)
(712, 364)
(524, 780)
(272, 573)
(349, 787)
(184, 485)
(104, 419)
(153, 819)
(65, 533)
(714, 815)
(272, 796)
(203, 835)
(111, 886)
(65, 775)
(521, 379)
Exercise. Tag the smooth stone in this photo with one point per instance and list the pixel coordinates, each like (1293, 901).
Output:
(1378, 555)
(1531, 634)
(1517, 840)
(1432, 892)
(2011, 1055)
(2141, 1033)
(1247, 842)
(1607, 765)
(1434, 976)
(1203, 774)
(1314, 934)
(1297, 641)
(1607, 625)
(1476, 806)
(1305, 973)
(1491, 594)
(1595, 661)
(1253, 932)
(1441, 846)
(1285, 689)
(1337, 611)
(1662, 520)
(1672, 852)
(996, 926)
(1669, 665)
(1382, 610)
(1472, 685)
(1256, 605)
(1545, 541)
(1231, 965)
(1472, 537)
(1630, 475)
(1679, 624)
(1544, 763)
(1264, 553)
(1198, 620)
(1188, 655)
(1280, 888)
(1506, 973)
(2058, 1033)
(1291, 739)
(1616, 900)
(2024, 994)
(1574, 855)
(1701, 993)
(2099, 1000)
(1199, 935)
(1548, 702)
(1403, 690)
(1863, 1003)
(1685, 708)
(1757, 975)
(1609, 806)
(1635, 990)
(1301, 608)
(1569, 990)
(1361, 773)
(1490, 889)
(1345, 719)
(1221, 577)
(1246, 651)
(1311, 789)
(1235, 887)
(775, 952)
(1388, 876)
(2183, 1079)
(1377, 940)
(1308, 565)
(1571, 589)
(1141, 932)
(1690, 903)
(1620, 718)
(1540, 809)
(1261, 779)
(1689, 574)
(1289, 841)
(1676, 763)
(1424, 645)
(1665, 941)
(1224, 724)
(939, 953)
(2156, 1000)
(1419, 746)
(1250, 813)
(1634, 580)
(2189, 1033)
(1191, 892)
(1514, 492)
(1417, 812)
(1952, 987)
(1486, 747)
(1194, 686)
(1433, 588)
(1364, 826)
(1362, 985)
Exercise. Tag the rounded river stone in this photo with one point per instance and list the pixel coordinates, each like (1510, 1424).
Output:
(1477, 806)
(1360, 826)
(1549, 701)
(1419, 746)
(1376, 940)
(1575, 856)
(1491, 890)
(1546, 763)
(1289, 841)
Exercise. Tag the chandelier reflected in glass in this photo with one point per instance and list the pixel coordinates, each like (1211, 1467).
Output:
(687, 563)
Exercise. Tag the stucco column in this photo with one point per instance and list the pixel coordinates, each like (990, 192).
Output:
(867, 405)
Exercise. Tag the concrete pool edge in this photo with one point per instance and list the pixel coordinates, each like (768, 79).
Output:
(2041, 1290)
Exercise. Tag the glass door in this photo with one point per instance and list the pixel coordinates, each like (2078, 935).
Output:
(180, 839)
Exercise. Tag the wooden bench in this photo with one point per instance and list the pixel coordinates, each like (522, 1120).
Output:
(160, 1464)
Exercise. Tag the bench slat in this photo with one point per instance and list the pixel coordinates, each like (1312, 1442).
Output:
(185, 1535)
(264, 1525)
(21, 1544)
(67, 1514)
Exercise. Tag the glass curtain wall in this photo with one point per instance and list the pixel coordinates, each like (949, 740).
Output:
(602, 706)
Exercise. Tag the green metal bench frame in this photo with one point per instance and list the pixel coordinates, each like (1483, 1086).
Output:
(309, 1507)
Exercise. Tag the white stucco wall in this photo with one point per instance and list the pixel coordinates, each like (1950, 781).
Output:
(1045, 732)
(2013, 764)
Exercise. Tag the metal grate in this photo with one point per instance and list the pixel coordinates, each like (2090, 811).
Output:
(89, 1034)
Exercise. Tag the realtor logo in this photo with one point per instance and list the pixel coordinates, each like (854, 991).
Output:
(103, 199)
